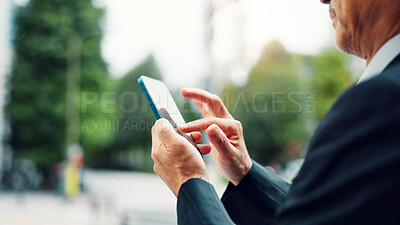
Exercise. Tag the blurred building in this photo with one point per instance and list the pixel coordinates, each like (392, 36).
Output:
(225, 43)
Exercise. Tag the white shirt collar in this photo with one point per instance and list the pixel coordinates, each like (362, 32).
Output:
(382, 58)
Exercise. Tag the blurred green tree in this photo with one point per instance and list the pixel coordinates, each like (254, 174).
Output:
(284, 97)
(130, 145)
(270, 105)
(131, 142)
(330, 77)
(56, 47)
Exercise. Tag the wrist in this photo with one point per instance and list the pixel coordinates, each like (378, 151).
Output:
(198, 176)
(187, 178)
(246, 167)
(187, 173)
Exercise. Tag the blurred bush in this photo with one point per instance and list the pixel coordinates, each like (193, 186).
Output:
(129, 127)
(284, 98)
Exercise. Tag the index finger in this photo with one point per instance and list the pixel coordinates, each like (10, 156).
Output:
(202, 124)
(213, 102)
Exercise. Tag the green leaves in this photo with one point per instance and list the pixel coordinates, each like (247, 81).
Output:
(283, 98)
(38, 81)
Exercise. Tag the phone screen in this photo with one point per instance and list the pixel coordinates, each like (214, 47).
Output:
(162, 103)
(159, 96)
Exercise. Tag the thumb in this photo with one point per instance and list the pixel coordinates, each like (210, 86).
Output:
(163, 131)
(218, 138)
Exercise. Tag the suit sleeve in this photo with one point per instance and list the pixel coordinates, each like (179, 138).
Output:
(256, 198)
(253, 201)
(198, 203)
(351, 171)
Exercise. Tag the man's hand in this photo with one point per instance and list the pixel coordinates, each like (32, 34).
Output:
(175, 159)
(225, 134)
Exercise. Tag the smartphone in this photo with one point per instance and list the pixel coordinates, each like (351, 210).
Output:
(163, 105)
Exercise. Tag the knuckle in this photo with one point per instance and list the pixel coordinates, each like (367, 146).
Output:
(213, 120)
(155, 153)
(156, 127)
(161, 127)
(216, 99)
(213, 97)
(222, 141)
(238, 124)
(153, 129)
(213, 127)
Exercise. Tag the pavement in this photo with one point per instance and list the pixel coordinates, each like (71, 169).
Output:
(137, 198)
(45, 208)
(110, 198)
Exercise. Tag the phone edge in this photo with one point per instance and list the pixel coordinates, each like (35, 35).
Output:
(148, 98)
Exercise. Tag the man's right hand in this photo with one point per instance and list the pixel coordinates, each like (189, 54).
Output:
(224, 132)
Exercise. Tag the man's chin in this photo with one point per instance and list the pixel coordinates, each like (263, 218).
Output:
(342, 43)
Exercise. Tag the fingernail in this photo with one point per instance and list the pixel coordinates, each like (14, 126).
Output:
(216, 129)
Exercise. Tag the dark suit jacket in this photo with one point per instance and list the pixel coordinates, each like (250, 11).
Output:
(351, 173)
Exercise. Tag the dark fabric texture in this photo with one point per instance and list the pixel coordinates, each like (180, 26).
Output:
(256, 198)
(198, 203)
(351, 173)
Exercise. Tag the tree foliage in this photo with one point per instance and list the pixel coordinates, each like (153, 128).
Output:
(133, 122)
(283, 97)
(36, 108)
(330, 78)
(269, 105)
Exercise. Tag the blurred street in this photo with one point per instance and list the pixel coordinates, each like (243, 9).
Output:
(111, 197)
(132, 197)
(44, 208)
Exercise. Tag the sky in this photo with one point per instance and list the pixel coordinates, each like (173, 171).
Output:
(134, 29)
(173, 32)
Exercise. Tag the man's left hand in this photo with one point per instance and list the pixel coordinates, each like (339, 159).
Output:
(175, 159)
